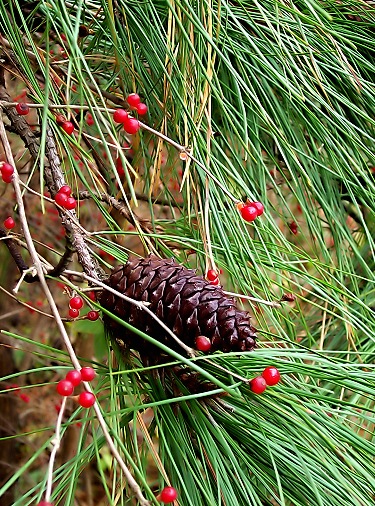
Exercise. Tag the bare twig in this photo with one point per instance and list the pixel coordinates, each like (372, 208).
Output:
(254, 299)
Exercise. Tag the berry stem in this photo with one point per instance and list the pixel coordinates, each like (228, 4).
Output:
(254, 299)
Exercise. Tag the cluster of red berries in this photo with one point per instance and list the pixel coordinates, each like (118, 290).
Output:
(64, 198)
(251, 210)
(75, 304)
(270, 377)
(73, 378)
(213, 277)
(131, 125)
(9, 223)
(7, 171)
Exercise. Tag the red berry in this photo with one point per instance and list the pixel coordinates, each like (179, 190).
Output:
(9, 223)
(131, 125)
(65, 189)
(167, 495)
(73, 313)
(61, 199)
(142, 109)
(215, 282)
(6, 179)
(293, 227)
(76, 302)
(44, 503)
(87, 373)
(258, 385)
(65, 388)
(22, 109)
(120, 115)
(86, 399)
(89, 119)
(7, 169)
(74, 377)
(259, 207)
(249, 212)
(70, 203)
(271, 375)
(119, 167)
(211, 275)
(60, 119)
(133, 99)
(203, 343)
(68, 127)
(92, 315)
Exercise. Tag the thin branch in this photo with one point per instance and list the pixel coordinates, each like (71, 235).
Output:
(56, 445)
(39, 268)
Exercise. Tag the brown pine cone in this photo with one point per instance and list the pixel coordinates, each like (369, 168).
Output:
(188, 304)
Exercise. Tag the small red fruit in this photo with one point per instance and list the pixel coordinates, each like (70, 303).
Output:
(293, 227)
(74, 377)
(258, 385)
(119, 167)
(44, 503)
(25, 398)
(7, 169)
(86, 399)
(89, 119)
(249, 212)
(22, 109)
(87, 373)
(131, 125)
(65, 388)
(6, 179)
(133, 99)
(167, 495)
(70, 203)
(60, 119)
(92, 315)
(76, 302)
(120, 115)
(9, 223)
(65, 189)
(259, 207)
(271, 375)
(73, 313)
(142, 109)
(61, 199)
(215, 282)
(203, 343)
(68, 127)
(211, 275)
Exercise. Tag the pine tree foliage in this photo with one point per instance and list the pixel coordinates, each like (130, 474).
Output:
(275, 102)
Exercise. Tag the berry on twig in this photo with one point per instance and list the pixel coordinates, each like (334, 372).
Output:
(258, 385)
(87, 373)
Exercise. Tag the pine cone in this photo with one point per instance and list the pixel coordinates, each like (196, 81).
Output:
(188, 304)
